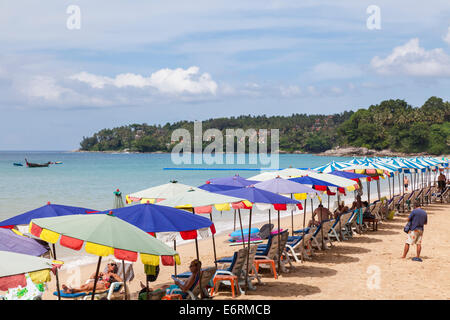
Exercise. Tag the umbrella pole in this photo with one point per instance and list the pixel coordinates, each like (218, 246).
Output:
(368, 191)
(234, 228)
(242, 230)
(196, 241)
(304, 233)
(378, 189)
(175, 249)
(96, 277)
(248, 249)
(279, 244)
(56, 272)
(292, 220)
(269, 217)
(389, 182)
(214, 243)
(124, 280)
(196, 249)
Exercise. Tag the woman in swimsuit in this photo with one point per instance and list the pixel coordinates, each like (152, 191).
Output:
(188, 285)
(104, 281)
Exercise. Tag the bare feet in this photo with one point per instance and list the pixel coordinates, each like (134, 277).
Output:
(66, 289)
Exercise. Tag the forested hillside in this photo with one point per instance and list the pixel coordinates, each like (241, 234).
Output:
(392, 124)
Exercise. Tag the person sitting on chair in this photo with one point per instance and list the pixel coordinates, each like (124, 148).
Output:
(342, 208)
(104, 281)
(189, 285)
(322, 213)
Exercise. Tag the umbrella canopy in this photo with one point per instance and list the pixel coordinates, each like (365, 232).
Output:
(365, 169)
(317, 184)
(291, 173)
(216, 187)
(234, 181)
(330, 167)
(331, 181)
(202, 201)
(157, 218)
(268, 175)
(283, 186)
(256, 195)
(49, 210)
(103, 235)
(163, 191)
(15, 265)
(12, 242)
(350, 175)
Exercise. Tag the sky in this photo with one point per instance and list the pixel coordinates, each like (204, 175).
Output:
(71, 68)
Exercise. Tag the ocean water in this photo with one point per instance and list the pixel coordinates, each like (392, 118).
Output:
(89, 180)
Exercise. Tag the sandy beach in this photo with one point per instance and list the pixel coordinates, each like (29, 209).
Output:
(369, 266)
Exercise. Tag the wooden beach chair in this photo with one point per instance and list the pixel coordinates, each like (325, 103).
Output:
(270, 253)
(320, 239)
(201, 289)
(343, 220)
(298, 248)
(232, 268)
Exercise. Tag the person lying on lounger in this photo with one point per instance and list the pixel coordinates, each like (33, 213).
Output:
(104, 281)
(322, 214)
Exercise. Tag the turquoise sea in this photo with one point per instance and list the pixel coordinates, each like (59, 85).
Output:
(89, 179)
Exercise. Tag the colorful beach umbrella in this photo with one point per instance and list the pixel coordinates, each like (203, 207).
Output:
(216, 187)
(234, 181)
(260, 197)
(13, 242)
(287, 187)
(14, 266)
(157, 193)
(201, 201)
(49, 210)
(104, 235)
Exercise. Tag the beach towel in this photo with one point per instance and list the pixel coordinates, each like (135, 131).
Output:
(30, 292)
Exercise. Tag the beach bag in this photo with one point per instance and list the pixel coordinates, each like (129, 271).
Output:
(407, 227)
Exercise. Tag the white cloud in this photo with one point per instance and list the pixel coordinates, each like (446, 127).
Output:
(331, 70)
(447, 36)
(290, 91)
(412, 60)
(168, 81)
(44, 87)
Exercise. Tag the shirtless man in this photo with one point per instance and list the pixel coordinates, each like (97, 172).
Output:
(322, 214)
(342, 208)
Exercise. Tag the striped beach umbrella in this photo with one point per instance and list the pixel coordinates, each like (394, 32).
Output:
(103, 235)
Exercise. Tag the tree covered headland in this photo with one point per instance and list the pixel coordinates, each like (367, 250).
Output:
(392, 124)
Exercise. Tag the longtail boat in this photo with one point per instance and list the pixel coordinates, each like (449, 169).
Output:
(36, 165)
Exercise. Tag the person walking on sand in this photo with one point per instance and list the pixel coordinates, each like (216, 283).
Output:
(406, 183)
(417, 220)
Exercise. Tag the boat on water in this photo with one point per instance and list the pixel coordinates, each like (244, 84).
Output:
(17, 164)
(36, 165)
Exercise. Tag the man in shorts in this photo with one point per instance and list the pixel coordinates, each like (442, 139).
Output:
(418, 219)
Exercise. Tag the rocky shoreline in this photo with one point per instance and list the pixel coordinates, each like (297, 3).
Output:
(335, 152)
(365, 152)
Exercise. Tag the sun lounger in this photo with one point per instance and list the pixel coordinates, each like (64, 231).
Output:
(235, 267)
(347, 228)
(264, 232)
(341, 226)
(271, 251)
(335, 231)
(296, 243)
(113, 289)
(201, 288)
(320, 237)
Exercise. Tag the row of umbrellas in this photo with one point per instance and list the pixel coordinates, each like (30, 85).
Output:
(124, 232)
